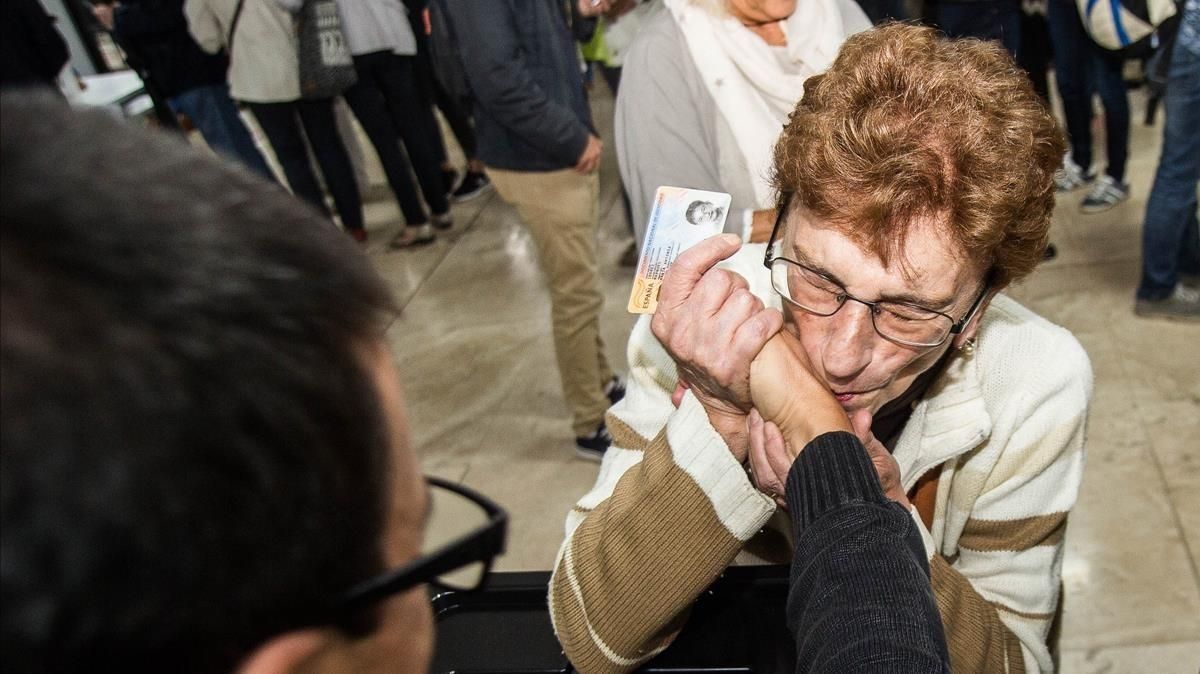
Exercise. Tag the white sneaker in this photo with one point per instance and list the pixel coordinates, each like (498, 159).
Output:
(1182, 304)
(1105, 194)
(1071, 176)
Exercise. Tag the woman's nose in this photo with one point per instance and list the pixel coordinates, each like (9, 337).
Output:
(851, 340)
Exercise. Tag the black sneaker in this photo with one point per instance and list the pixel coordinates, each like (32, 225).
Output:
(450, 180)
(473, 185)
(592, 447)
(615, 390)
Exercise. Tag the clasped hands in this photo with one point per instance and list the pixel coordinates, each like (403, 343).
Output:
(753, 379)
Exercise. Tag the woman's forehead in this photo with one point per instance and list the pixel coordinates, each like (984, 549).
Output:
(928, 262)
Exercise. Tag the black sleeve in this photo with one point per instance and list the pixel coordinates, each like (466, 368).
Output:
(137, 19)
(860, 598)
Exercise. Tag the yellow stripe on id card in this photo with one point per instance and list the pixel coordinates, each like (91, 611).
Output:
(680, 219)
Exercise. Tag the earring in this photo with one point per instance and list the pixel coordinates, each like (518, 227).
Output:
(968, 347)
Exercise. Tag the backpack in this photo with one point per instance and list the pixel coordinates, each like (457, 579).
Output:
(1124, 25)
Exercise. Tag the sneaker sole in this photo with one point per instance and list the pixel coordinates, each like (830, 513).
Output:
(416, 243)
(590, 455)
(1100, 208)
(460, 198)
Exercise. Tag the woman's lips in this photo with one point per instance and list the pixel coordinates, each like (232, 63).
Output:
(851, 396)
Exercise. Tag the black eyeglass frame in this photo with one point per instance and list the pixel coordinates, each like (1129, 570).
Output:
(956, 327)
(481, 545)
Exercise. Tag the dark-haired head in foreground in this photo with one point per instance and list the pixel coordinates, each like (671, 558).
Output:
(203, 436)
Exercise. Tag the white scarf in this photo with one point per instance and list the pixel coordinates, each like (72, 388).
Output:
(753, 90)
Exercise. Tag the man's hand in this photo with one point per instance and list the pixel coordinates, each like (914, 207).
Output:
(590, 159)
(885, 463)
(713, 327)
(104, 14)
(590, 8)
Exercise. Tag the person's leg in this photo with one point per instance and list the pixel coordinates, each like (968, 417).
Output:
(413, 117)
(612, 77)
(215, 115)
(458, 119)
(561, 209)
(456, 112)
(367, 103)
(1110, 82)
(987, 20)
(321, 129)
(280, 124)
(1071, 77)
(1034, 54)
(1170, 230)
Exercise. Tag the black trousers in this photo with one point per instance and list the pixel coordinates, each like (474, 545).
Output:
(286, 125)
(389, 106)
(458, 117)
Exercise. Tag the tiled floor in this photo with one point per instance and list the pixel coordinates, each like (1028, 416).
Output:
(474, 349)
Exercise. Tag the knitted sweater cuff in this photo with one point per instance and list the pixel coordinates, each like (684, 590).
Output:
(832, 471)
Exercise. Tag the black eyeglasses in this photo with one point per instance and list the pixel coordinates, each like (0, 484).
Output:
(465, 532)
(817, 294)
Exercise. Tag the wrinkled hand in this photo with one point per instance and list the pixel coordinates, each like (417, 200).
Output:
(770, 458)
(590, 159)
(713, 327)
(885, 464)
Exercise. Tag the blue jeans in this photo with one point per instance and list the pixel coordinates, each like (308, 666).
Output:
(216, 117)
(1170, 234)
(1082, 67)
(983, 19)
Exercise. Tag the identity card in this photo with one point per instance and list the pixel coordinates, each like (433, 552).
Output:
(680, 219)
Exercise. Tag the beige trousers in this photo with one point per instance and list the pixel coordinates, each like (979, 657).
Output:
(561, 209)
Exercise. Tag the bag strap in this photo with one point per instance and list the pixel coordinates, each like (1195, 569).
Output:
(237, 15)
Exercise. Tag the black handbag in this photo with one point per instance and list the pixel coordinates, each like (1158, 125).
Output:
(326, 68)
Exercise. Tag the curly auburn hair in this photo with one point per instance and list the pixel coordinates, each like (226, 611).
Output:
(908, 126)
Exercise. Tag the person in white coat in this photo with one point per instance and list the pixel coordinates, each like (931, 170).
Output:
(264, 73)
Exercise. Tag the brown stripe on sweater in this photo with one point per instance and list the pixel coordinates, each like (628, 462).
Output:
(657, 529)
(1023, 614)
(975, 637)
(1013, 535)
(623, 434)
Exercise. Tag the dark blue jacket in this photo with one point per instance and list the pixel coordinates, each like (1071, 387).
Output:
(531, 112)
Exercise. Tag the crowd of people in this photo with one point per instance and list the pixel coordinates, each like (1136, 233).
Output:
(206, 464)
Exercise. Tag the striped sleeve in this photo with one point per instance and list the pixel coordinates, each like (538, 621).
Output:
(670, 510)
(999, 590)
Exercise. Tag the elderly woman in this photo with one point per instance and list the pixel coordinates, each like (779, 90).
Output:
(902, 216)
(706, 89)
